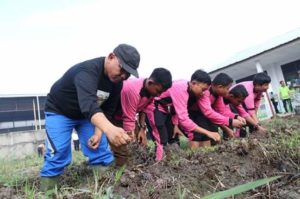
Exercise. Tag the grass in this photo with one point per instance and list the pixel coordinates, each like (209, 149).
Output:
(16, 172)
(287, 137)
(240, 189)
(23, 175)
(181, 193)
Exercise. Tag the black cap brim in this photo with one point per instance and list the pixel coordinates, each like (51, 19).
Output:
(129, 69)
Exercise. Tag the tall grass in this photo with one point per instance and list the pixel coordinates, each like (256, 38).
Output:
(240, 189)
(17, 172)
(23, 174)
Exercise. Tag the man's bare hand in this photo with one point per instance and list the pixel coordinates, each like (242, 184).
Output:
(142, 138)
(117, 136)
(230, 133)
(94, 141)
(215, 136)
(261, 129)
(237, 123)
(132, 135)
(177, 131)
(242, 120)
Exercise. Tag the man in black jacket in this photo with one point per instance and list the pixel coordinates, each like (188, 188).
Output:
(84, 99)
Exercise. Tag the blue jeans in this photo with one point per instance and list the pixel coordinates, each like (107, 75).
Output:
(58, 144)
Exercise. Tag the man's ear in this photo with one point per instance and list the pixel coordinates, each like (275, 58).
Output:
(111, 55)
(150, 82)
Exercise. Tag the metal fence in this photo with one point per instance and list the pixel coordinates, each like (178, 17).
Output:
(21, 113)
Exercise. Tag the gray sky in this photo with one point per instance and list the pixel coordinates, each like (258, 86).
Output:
(41, 39)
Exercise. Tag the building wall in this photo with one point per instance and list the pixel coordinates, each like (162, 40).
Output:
(16, 145)
(276, 75)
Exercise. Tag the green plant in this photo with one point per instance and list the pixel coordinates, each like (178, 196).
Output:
(181, 193)
(29, 191)
(100, 194)
(16, 172)
(184, 142)
(151, 190)
(240, 189)
(151, 145)
(119, 174)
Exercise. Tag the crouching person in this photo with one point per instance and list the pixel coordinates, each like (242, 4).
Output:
(230, 105)
(82, 99)
(136, 95)
(251, 103)
(174, 105)
(204, 114)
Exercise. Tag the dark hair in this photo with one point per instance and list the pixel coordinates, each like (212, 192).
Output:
(261, 78)
(222, 79)
(201, 76)
(239, 91)
(162, 76)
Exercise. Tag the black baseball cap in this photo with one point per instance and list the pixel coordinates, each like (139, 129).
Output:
(129, 58)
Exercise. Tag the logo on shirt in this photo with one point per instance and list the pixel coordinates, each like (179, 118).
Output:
(102, 97)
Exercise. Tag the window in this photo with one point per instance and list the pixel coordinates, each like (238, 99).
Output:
(290, 71)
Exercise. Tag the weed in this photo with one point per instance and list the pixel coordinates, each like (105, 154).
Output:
(29, 191)
(240, 189)
(151, 145)
(119, 174)
(181, 193)
(184, 142)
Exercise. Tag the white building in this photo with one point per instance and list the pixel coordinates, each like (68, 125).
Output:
(279, 57)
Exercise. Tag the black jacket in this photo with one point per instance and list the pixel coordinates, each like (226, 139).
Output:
(83, 91)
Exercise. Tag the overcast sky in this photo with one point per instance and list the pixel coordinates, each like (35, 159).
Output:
(40, 40)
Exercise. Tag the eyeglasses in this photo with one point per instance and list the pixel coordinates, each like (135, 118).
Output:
(123, 71)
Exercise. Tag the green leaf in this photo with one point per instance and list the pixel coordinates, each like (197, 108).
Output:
(240, 188)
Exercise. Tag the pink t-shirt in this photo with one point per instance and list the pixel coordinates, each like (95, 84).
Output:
(179, 96)
(206, 103)
(252, 101)
(133, 102)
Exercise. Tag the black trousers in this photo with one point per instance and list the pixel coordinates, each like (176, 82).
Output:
(285, 102)
(199, 118)
(165, 127)
(76, 145)
(275, 104)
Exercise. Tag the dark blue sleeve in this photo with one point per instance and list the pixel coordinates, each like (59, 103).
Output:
(86, 86)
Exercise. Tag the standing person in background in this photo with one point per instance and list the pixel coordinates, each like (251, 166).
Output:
(274, 100)
(75, 140)
(41, 150)
(284, 93)
(84, 98)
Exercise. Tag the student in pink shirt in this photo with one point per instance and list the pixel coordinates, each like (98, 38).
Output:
(136, 95)
(251, 104)
(175, 102)
(206, 116)
(230, 105)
